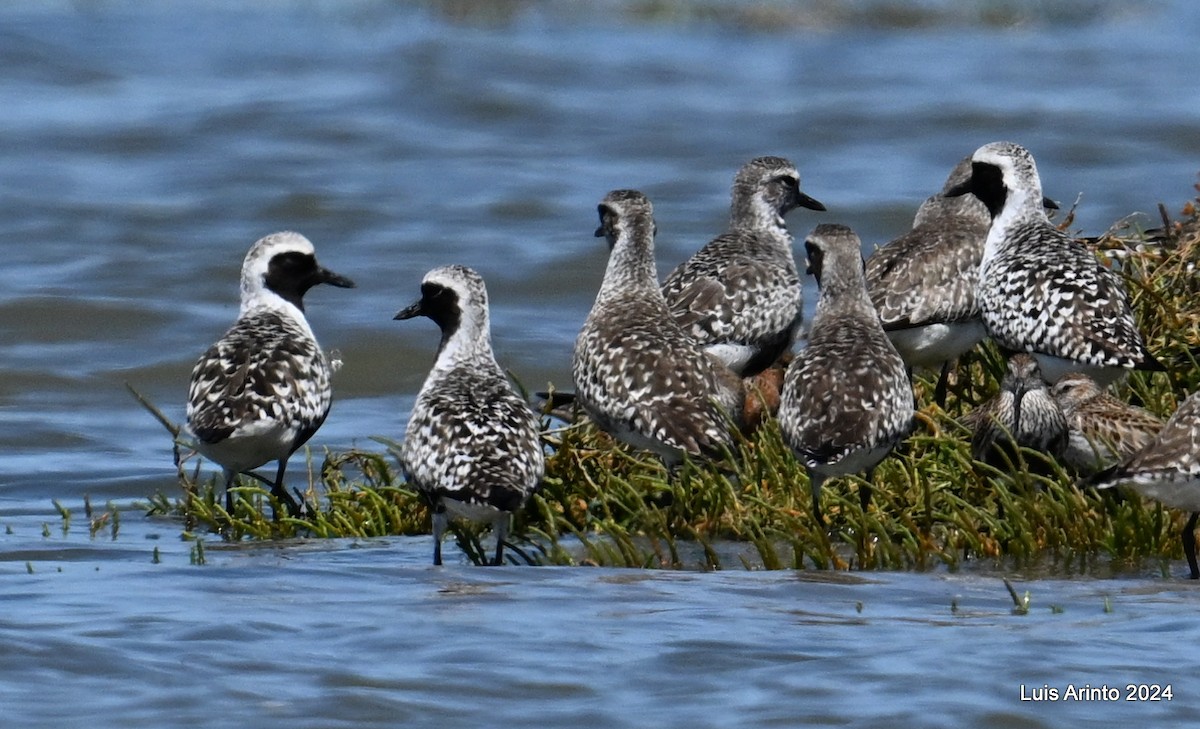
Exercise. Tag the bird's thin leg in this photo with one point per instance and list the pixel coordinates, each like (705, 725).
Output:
(1189, 544)
(864, 491)
(943, 383)
(280, 493)
(229, 478)
(439, 529)
(815, 481)
(501, 528)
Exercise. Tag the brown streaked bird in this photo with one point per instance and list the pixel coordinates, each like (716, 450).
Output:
(1167, 470)
(1102, 429)
(1022, 411)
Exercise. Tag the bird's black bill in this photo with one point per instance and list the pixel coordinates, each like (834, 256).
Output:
(414, 309)
(325, 276)
(805, 201)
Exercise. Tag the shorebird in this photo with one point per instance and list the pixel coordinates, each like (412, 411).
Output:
(263, 390)
(637, 374)
(923, 283)
(847, 399)
(1102, 429)
(1040, 291)
(472, 446)
(1167, 470)
(1022, 411)
(740, 295)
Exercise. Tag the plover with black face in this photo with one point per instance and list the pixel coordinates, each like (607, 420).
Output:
(472, 446)
(263, 390)
(847, 399)
(637, 374)
(1039, 290)
(1102, 429)
(1022, 411)
(1167, 470)
(740, 295)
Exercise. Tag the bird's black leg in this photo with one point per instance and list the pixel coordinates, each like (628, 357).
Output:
(439, 529)
(501, 529)
(280, 493)
(1189, 544)
(230, 476)
(943, 383)
(815, 481)
(864, 491)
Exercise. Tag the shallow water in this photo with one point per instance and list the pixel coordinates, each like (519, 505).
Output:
(147, 148)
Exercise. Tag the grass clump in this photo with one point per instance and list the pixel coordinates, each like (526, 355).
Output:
(934, 506)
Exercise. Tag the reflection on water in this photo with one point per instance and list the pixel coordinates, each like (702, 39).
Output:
(147, 148)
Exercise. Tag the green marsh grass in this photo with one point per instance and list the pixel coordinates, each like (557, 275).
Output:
(933, 506)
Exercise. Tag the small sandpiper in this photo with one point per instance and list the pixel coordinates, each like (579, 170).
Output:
(472, 446)
(1102, 429)
(263, 390)
(1022, 411)
(1167, 470)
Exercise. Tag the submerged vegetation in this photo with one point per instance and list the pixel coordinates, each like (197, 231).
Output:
(605, 504)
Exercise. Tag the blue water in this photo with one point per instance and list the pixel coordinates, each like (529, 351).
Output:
(147, 146)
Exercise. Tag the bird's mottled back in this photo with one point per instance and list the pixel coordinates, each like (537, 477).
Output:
(1102, 429)
(637, 374)
(1168, 467)
(740, 295)
(262, 390)
(1039, 290)
(929, 274)
(472, 444)
(1022, 411)
(847, 395)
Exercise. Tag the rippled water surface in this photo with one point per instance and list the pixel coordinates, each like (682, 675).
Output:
(146, 146)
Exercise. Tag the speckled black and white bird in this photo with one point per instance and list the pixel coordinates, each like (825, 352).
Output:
(923, 283)
(263, 390)
(1022, 410)
(847, 399)
(637, 374)
(1102, 430)
(740, 295)
(1040, 291)
(1167, 470)
(472, 446)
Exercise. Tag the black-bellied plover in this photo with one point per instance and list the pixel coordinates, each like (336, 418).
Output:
(847, 399)
(1022, 411)
(1167, 470)
(1040, 291)
(923, 283)
(1102, 429)
(637, 374)
(740, 295)
(472, 446)
(262, 390)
